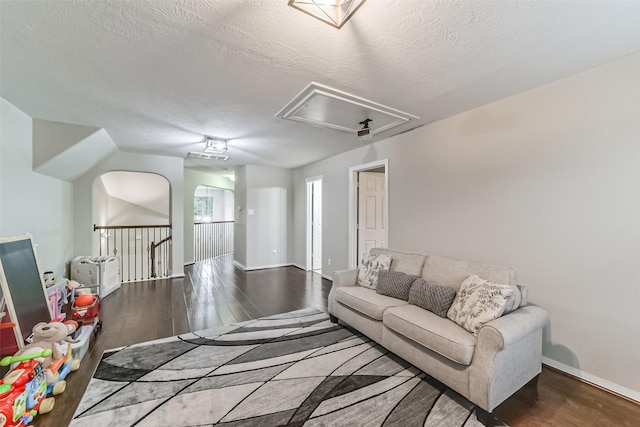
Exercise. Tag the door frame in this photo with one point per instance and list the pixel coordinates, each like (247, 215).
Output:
(353, 204)
(309, 217)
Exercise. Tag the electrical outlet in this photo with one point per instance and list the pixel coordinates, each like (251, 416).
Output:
(328, 261)
(274, 251)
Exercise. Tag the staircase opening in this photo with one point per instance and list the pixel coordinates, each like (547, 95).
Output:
(132, 221)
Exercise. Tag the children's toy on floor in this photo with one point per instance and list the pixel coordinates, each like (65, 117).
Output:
(86, 305)
(23, 390)
(50, 336)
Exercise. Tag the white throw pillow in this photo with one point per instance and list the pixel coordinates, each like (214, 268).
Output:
(370, 267)
(479, 301)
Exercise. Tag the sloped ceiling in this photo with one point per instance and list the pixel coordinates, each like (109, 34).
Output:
(159, 75)
(147, 190)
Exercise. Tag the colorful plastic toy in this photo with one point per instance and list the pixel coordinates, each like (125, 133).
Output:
(51, 336)
(23, 390)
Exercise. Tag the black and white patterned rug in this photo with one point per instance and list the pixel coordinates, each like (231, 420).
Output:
(291, 369)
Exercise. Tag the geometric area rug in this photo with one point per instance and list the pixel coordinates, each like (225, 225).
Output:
(292, 369)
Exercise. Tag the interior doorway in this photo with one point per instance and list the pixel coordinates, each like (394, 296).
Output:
(314, 224)
(368, 209)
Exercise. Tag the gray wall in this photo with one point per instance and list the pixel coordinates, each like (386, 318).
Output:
(263, 236)
(31, 202)
(548, 182)
(240, 226)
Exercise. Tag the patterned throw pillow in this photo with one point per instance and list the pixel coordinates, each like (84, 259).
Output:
(431, 296)
(395, 284)
(480, 301)
(369, 269)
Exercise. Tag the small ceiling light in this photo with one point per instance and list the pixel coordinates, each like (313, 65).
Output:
(214, 145)
(365, 132)
(333, 12)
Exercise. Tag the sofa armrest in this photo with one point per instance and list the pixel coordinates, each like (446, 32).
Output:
(508, 354)
(341, 278)
(508, 329)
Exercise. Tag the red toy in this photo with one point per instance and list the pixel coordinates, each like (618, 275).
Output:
(23, 391)
(85, 308)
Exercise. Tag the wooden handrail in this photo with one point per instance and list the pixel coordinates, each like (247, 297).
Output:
(214, 222)
(114, 227)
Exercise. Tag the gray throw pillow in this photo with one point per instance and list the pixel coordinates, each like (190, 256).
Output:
(431, 296)
(395, 284)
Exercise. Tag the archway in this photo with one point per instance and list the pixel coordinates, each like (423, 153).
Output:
(213, 222)
(132, 221)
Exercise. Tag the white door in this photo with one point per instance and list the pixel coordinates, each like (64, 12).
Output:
(372, 224)
(316, 226)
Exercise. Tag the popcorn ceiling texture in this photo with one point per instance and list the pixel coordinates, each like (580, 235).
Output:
(157, 75)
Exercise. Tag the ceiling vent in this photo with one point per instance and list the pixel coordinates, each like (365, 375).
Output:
(206, 156)
(320, 105)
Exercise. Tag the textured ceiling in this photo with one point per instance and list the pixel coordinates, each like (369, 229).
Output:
(157, 75)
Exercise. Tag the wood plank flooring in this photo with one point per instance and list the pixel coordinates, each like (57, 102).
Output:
(215, 293)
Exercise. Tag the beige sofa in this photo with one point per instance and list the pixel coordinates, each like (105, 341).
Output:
(487, 369)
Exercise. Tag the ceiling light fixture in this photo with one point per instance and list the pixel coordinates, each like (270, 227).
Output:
(365, 132)
(333, 12)
(206, 156)
(214, 145)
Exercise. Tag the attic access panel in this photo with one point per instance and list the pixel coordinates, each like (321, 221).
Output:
(320, 105)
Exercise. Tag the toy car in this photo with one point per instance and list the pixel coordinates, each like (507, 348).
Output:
(61, 369)
(23, 391)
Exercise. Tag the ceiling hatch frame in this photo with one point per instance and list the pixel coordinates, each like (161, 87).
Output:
(361, 109)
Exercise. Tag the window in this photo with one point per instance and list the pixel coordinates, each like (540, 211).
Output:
(203, 204)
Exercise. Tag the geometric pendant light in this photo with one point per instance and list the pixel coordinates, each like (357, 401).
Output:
(333, 12)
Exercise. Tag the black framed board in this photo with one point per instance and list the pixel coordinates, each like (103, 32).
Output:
(22, 285)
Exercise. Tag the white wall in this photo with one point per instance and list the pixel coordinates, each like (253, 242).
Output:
(263, 227)
(30, 202)
(123, 212)
(169, 167)
(548, 182)
(192, 179)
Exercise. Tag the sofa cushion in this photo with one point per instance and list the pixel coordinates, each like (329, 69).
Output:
(396, 284)
(366, 301)
(370, 267)
(429, 330)
(480, 301)
(431, 296)
(451, 272)
(403, 262)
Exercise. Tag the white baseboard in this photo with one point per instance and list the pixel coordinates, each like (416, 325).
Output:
(299, 266)
(240, 266)
(600, 382)
(329, 278)
(261, 267)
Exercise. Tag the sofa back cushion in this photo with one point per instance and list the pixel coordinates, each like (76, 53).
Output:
(451, 272)
(403, 262)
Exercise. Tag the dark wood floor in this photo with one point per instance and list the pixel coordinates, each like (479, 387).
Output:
(215, 293)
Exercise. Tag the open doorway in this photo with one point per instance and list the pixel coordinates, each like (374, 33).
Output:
(314, 224)
(213, 222)
(368, 209)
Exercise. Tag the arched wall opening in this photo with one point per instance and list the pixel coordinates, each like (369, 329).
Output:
(132, 221)
(213, 222)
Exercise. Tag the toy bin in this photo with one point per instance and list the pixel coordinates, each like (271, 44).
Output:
(103, 272)
(79, 349)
